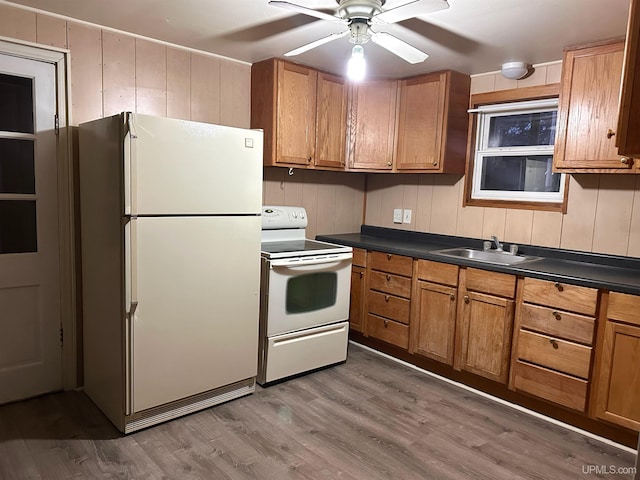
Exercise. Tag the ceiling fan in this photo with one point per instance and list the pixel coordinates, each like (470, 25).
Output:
(359, 16)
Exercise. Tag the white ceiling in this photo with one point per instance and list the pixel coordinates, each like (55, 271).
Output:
(472, 36)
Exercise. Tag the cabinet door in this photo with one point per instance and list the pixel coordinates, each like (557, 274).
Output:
(628, 140)
(483, 338)
(588, 109)
(432, 331)
(618, 390)
(372, 125)
(296, 111)
(331, 124)
(420, 123)
(356, 307)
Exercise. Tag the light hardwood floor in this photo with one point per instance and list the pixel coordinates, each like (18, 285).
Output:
(369, 418)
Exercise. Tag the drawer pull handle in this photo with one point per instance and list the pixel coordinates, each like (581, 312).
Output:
(452, 296)
(386, 298)
(559, 286)
(553, 343)
(610, 133)
(388, 256)
(361, 274)
(556, 315)
(466, 299)
(388, 278)
(386, 323)
(625, 160)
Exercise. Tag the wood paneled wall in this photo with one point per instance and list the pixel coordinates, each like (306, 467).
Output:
(113, 72)
(603, 212)
(334, 201)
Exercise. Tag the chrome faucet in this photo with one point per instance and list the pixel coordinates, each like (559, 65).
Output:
(498, 245)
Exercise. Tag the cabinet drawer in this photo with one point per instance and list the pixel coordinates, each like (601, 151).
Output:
(388, 283)
(567, 357)
(391, 263)
(389, 306)
(388, 331)
(624, 307)
(556, 387)
(359, 257)
(437, 272)
(558, 323)
(561, 295)
(493, 283)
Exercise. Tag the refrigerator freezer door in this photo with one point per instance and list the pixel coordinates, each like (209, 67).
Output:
(178, 167)
(195, 327)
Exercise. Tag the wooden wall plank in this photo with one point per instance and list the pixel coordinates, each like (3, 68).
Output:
(85, 44)
(178, 84)
(51, 31)
(613, 214)
(578, 222)
(518, 226)
(235, 104)
(444, 207)
(118, 75)
(151, 78)
(205, 89)
(634, 231)
(17, 23)
(547, 229)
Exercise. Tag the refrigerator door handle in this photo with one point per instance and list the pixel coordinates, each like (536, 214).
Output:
(130, 269)
(129, 167)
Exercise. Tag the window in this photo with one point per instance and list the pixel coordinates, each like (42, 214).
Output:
(511, 165)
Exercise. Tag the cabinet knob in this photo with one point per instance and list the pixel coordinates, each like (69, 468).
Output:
(466, 299)
(553, 343)
(625, 160)
(386, 298)
(361, 274)
(559, 286)
(388, 256)
(388, 277)
(452, 297)
(309, 160)
(386, 323)
(610, 133)
(388, 164)
(556, 315)
(435, 164)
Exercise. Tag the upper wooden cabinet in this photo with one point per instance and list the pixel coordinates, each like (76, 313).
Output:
(372, 117)
(303, 114)
(628, 140)
(588, 111)
(433, 123)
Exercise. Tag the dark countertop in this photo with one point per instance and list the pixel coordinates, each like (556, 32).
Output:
(610, 272)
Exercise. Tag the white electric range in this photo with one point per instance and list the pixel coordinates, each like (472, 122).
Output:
(304, 297)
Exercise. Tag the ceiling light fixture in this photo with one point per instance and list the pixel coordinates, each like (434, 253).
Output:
(515, 70)
(357, 66)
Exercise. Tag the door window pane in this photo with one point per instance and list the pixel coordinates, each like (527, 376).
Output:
(17, 173)
(527, 173)
(311, 292)
(16, 99)
(18, 226)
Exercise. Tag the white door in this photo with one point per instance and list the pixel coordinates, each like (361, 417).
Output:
(196, 281)
(182, 167)
(30, 347)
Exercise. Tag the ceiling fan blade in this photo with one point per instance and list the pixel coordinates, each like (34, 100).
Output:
(317, 43)
(410, 9)
(305, 10)
(398, 47)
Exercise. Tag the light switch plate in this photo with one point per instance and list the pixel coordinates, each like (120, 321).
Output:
(397, 215)
(406, 216)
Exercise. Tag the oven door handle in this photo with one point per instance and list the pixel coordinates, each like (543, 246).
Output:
(333, 259)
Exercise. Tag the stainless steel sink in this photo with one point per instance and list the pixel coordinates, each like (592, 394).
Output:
(486, 256)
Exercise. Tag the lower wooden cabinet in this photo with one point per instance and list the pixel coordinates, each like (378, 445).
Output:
(358, 290)
(617, 392)
(485, 324)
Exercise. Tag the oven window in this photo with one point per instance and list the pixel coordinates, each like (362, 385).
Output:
(311, 292)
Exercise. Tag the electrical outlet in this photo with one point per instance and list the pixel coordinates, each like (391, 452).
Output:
(397, 215)
(406, 216)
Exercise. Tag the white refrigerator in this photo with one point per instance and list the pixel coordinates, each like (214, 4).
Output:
(170, 225)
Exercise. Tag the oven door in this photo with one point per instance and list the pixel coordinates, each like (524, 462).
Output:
(306, 292)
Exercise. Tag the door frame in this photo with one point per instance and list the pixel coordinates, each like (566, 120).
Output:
(59, 57)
